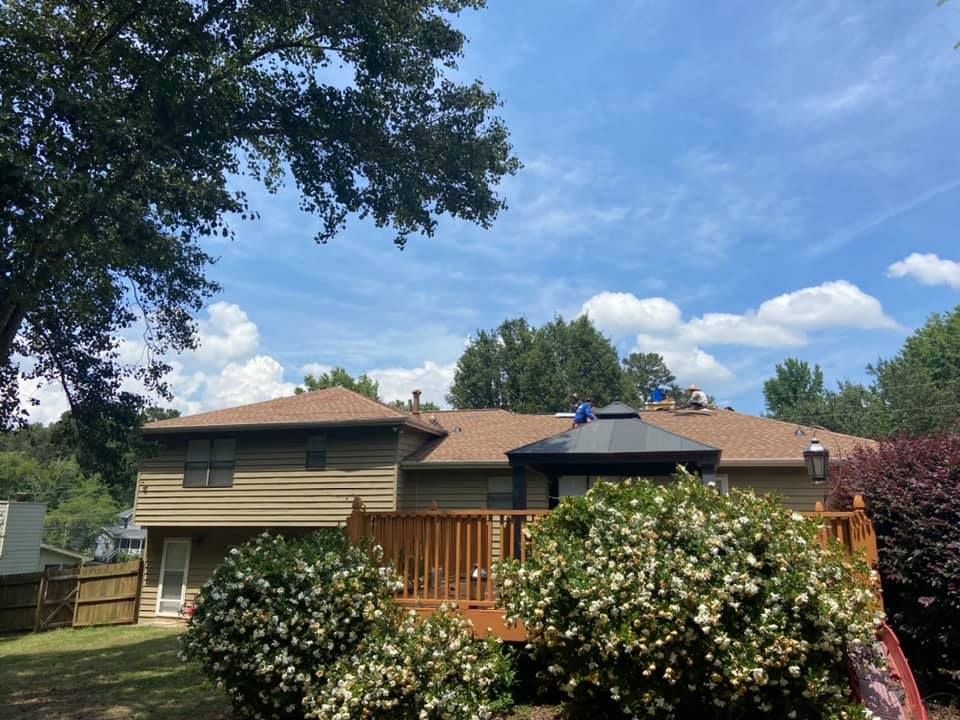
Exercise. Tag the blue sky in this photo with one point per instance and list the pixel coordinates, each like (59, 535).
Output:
(728, 184)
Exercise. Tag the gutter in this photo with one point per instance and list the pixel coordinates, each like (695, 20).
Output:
(239, 427)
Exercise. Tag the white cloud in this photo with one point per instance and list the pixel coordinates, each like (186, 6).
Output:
(928, 269)
(783, 321)
(688, 362)
(226, 335)
(315, 369)
(831, 304)
(238, 383)
(620, 313)
(433, 379)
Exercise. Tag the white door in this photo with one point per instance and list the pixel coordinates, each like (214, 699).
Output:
(174, 567)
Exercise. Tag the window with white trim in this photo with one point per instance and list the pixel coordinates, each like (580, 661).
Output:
(210, 463)
(317, 452)
(500, 493)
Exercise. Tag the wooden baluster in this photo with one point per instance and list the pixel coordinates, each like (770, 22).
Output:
(468, 560)
(480, 568)
(456, 577)
(447, 546)
(523, 539)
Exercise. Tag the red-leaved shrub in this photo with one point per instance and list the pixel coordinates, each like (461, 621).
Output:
(912, 489)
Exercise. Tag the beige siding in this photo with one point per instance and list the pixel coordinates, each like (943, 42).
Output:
(792, 484)
(462, 489)
(271, 485)
(52, 557)
(22, 535)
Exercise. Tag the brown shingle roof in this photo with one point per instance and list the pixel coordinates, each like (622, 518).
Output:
(484, 436)
(332, 406)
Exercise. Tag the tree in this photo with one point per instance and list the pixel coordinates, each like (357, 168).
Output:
(796, 392)
(526, 369)
(643, 373)
(76, 522)
(406, 405)
(122, 125)
(920, 385)
(339, 377)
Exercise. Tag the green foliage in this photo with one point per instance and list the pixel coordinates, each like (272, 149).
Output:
(795, 392)
(675, 601)
(78, 505)
(339, 377)
(522, 368)
(916, 392)
(78, 519)
(119, 139)
(642, 374)
(308, 627)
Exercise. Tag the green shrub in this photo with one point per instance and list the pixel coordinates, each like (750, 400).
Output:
(430, 668)
(677, 602)
(294, 627)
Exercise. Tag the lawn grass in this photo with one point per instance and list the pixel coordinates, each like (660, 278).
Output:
(116, 673)
(112, 673)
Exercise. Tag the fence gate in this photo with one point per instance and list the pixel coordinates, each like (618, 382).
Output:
(56, 598)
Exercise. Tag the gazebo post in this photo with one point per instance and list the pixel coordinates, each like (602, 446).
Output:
(553, 490)
(708, 474)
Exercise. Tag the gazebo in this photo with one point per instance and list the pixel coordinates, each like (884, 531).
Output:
(617, 443)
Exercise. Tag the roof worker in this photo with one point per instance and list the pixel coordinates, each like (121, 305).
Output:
(584, 413)
(698, 398)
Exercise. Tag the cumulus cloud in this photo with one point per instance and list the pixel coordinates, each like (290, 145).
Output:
(225, 335)
(397, 383)
(238, 383)
(620, 313)
(50, 399)
(927, 269)
(783, 321)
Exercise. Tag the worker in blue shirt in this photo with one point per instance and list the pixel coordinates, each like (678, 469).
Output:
(584, 413)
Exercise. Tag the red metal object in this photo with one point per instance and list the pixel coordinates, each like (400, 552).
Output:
(890, 693)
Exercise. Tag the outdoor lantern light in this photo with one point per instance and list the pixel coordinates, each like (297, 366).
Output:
(817, 458)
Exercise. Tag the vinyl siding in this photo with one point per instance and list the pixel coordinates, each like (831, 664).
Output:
(462, 489)
(22, 535)
(792, 484)
(271, 485)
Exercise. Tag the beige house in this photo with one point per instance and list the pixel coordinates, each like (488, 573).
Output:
(297, 463)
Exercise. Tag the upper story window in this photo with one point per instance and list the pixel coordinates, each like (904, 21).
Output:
(210, 463)
(317, 452)
(499, 493)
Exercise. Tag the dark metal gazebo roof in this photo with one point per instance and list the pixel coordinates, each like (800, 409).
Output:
(618, 432)
(618, 442)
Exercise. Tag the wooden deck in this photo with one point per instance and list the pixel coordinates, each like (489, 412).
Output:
(448, 556)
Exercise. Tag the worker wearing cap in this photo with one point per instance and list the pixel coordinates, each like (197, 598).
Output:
(698, 398)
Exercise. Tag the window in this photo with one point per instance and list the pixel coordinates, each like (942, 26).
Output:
(174, 566)
(210, 463)
(499, 493)
(317, 452)
(574, 486)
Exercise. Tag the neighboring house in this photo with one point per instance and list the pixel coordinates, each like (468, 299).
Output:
(54, 557)
(21, 534)
(122, 538)
(22, 549)
(297, 463)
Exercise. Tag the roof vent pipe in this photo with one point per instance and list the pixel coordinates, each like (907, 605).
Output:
(416, 402)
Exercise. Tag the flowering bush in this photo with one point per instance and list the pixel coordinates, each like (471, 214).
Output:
(308, 627)
(677, 602)
(912, 489)
(430, 668)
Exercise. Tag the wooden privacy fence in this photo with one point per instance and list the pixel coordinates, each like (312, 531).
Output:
(852, 529)
(72, 597)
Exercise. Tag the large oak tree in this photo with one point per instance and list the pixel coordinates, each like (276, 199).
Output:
(123, 123)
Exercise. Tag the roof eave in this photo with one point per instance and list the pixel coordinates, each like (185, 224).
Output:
(453, 464)
(237, 427)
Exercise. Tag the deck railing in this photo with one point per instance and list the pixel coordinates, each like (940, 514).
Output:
(445, 555)
(449, 555)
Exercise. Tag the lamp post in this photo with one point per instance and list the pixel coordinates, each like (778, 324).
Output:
(817, 458)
